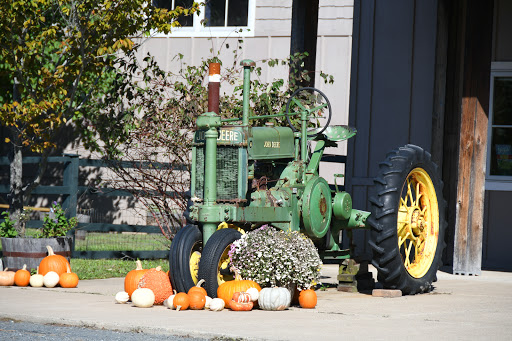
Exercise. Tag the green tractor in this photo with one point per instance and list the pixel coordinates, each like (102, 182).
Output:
(243, 177)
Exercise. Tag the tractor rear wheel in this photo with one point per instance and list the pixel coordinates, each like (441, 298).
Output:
(184, 257)
(214, 265)
(408, 221)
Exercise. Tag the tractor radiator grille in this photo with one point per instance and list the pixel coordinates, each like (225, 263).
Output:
(227, 172)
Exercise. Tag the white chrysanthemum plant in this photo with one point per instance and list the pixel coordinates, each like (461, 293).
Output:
(273, 257)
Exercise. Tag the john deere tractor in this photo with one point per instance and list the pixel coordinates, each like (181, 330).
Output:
(244, 176)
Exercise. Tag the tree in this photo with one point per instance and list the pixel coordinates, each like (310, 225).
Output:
(57, 55)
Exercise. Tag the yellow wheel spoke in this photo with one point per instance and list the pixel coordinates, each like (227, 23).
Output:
(409, 192)
(408, 253)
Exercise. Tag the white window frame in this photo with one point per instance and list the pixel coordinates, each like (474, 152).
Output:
(496, 182)
(198, 30)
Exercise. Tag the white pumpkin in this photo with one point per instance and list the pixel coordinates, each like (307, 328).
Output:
(217, 304)
(36, 281)
(274, 298)
(143, 298)
(208, 301)
(169, 301)
(51, 279)
(254, 293)
(122, 297)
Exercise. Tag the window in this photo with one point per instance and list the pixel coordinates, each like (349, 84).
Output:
(217, 18)
(499, 152)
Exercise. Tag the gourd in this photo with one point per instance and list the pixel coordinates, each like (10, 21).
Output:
(22, 277)
(51, 279)
(143, 298)
(208, 301)
(217, 304)
(181, 301)
(158, 282)
(241, 301)
(274, 298)
(6, 277)
(254, 293)
(68, 279)
(169, 301)
(241, 297)
(53, 262)
(227, 289)
(198, 288)
(36, 280)
(131, 281)
(197, 300)
(307, 299)
(122, 297)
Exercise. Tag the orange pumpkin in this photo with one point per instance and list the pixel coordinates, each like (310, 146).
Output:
(197, 300)
(307, 299)
(132, 279)
(238, 306)
(68, 279)
(7, 277)
(22, 277)
(198, 288)
(227, 289)
(53, 262)
(181, 301)
(158, 282)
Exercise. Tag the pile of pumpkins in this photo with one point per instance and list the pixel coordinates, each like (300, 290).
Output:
(148, 287)
(53, 270)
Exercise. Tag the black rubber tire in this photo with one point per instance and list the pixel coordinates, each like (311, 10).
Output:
(187, 240)
(387, 258)
(210, 258)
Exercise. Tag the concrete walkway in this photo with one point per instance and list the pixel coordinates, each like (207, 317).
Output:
(460, 308)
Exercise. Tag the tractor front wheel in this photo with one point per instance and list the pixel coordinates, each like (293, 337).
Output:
(408, 221)
(214, 265)
(184, 257)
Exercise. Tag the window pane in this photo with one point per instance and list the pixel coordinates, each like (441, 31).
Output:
(238, 10)
(185, 20)
(215, 12)
(502, 106)
(162, 4)
(501, 151)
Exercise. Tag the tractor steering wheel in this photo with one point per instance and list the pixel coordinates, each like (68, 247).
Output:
(305, 99)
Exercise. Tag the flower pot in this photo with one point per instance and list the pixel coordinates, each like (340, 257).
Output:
(30, 251)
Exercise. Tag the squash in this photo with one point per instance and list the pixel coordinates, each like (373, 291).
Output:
(22, 277)
(122, 297)
(143, 298)
(254, 293)
(68, 279)
(274, 298)
(197, 300)
(227, 289)
(51, 279)
(238, 306)
(198, 288)
(241, 297)
(307, 299)
(131, 281)
(53, 262)
(6, 277)
(158, 282)
(169, 301)
(217, 304)
(208, 301)
(181, 301)
(36, 280)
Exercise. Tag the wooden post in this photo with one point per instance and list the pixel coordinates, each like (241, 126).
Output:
(467, 257)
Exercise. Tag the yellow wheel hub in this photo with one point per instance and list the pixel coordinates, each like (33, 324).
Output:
(223, 272)
(195, 257)
(418, 223)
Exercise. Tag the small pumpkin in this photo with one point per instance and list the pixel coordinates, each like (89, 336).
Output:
(307, 299)
(208, 301)
(238, 306)
(6, 277)
(22, 277)
(68, 279)
(122, 297)
(217, 304)
(169, 301)
(36, 280)
(227, 289)
(158, 282)
(181, 301)
(241, 297)
(198, 288)
(254, 293)
(143, 298)
(131, 281)
(53, 262)
(51, 279)
(274, 298)
(197, 300)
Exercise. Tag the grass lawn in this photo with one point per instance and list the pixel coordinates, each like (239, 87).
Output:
(109, 268)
